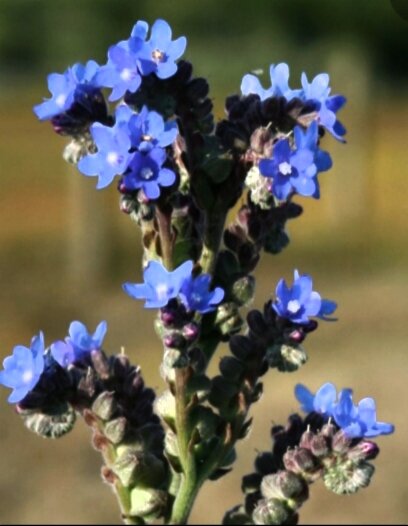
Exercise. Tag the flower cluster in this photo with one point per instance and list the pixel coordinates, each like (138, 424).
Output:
(316, 92)
(24, 369)
(134, 148)
(296, 169)
(160, 286)
(355, 420)
(299, 302)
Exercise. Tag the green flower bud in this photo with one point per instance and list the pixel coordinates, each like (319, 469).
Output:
(243, 290)
(115, 430)
(105, 405)
(78, 147)
(136, 468)
(346, 477)
(58, 421)
(148, 503)
(228, 319)
(302, 462)
(271, 511)
(165, 406)
(260, 188)
(286, 358)
(285, 485)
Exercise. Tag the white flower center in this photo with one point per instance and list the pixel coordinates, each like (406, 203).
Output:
(112, 158)
(157, 55)
(27, 376)
(293, 306)
(196, 297)
(285, 168)
(126, 74)
(162, 291)
(60, 100)
(146, 173)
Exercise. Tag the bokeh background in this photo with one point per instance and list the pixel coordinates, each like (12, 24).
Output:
(66, 248)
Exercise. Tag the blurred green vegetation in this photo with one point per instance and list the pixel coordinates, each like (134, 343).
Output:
(66, 249)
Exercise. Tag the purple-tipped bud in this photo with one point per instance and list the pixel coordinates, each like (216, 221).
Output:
(284, 485)
(115, 430)
(300, 461)
(191, 331)
(341, 443)
(174, 341)
(364, 450)
(168, 317)
(105, 405)
(297, 336)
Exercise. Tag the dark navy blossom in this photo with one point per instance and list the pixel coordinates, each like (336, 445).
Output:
(196, 295)
(299, 302)
(146, 172)
(23, 369)
(160, 285)
(64, 88)
(78, 344)
(356, 421)
(318, 91)
(112, 157)
(279, 74)
(159, 54)
(295, 170)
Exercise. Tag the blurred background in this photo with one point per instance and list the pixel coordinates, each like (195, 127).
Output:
(66, 249)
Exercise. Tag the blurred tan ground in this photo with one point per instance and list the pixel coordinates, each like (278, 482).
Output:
(353, 241)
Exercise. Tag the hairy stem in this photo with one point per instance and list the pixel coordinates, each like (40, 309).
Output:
(166, 236)
(212, 241)
(189, 486)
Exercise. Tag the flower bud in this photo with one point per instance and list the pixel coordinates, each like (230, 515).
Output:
(191, 331)
(300, 461)
(115, 430)
(165, 406)
(174, 340)
(53, 425)
(148, 503)
(341, 442)
(243, 290)
(272, 511)
(228, 319)
(346, 478)
(105, 405)
(137, 468)
(285, 485)
(319, 446)
(364, 450)
(100, 363)
(231, 368)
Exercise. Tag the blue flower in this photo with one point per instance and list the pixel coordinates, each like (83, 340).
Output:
(64, 88)
(279, 84)
(296, 170)
(196, 296)
(146, 172)
(158, 55)
(318, 91)
(78, 344)
(148, 129)
(356, 421)
(112, 157)
(122, 69)
(23, 369)
(299, 302)
(160, 285)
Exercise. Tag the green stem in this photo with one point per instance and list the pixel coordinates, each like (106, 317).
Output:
(212, 241)
(189, 486)
(166, 237)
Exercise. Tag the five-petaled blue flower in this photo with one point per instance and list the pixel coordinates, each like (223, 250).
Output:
(327, 106)
(196, 295)
(78, 344)
(146, 171)
(356, 421)
(23, 368)
(112, 157)
(64, 87)
(299, 302)
(279, 74)
(159, 54)
(160, 285)
(148, 129)
(295, 170)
